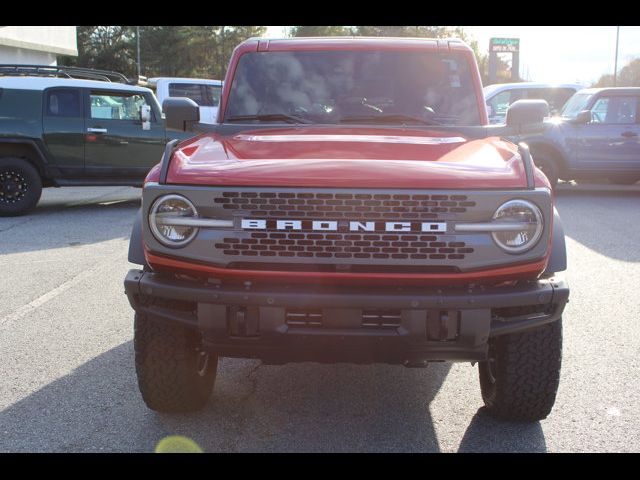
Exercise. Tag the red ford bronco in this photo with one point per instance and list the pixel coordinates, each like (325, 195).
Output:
(352, 205)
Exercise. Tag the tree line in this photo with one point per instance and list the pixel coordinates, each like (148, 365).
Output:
(167, 51)
(204, 51)
(629, 76)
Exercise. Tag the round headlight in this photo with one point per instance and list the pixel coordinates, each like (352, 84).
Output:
(165, 220)
(518, 225)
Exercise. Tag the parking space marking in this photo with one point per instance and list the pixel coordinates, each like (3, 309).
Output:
(32, 306)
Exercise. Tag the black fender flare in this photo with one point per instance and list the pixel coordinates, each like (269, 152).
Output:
(136, 247)
(558, 259)
(40, 160)
(541, 144)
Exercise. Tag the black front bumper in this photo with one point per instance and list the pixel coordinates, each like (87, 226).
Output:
(429, 324)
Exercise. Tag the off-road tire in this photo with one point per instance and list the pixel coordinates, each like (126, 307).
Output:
(17, 173)
(520, 380)
(168, 358)
(548, 167)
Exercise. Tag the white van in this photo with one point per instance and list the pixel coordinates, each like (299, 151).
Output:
(206, 93)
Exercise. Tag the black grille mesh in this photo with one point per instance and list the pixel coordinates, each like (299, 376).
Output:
(338, 245)
(345, 205)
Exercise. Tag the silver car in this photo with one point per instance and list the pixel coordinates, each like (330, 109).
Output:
(500, 95)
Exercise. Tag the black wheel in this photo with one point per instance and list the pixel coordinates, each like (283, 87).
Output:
(629, 180)
(174, 373)
(20, 186)
(520, 379)
(548, 167)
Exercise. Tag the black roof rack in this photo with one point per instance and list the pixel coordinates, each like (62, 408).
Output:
(7, 70)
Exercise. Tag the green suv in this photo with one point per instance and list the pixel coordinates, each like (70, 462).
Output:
(89, 128)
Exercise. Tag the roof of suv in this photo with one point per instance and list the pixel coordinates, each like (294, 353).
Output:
(620, 90)
(40, 83)
(489, 89)
(365, 43)
(209, 81)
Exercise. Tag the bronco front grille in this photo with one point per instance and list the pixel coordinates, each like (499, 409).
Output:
(347, 230)
(366, 206)
(342, 245)
(339, 245)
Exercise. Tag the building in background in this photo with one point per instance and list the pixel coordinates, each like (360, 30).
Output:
(36, 45)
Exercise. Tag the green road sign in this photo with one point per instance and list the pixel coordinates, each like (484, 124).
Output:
(509, 45)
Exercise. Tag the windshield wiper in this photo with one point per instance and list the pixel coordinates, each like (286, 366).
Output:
(388, 118)
(269, 117)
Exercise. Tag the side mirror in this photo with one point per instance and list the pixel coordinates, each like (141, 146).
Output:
(583, 117)
(527, 115)
(145, 117)
(145, 113)
(180, 113)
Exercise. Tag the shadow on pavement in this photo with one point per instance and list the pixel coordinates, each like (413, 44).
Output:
(320, 408)
(70, 220)
(296, 407)
(93, 408)
(486, 434)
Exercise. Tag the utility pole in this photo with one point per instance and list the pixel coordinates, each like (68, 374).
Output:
(615, 68)
(138, 48)
(222, 57)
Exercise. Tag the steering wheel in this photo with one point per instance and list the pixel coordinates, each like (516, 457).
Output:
(597, 117)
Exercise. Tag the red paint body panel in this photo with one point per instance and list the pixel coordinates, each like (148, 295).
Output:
(341, 157)
(493, 276)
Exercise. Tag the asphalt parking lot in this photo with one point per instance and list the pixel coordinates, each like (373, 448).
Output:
(67, 379)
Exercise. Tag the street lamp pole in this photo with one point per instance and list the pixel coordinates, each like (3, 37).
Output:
(138, 48)
(615, 68)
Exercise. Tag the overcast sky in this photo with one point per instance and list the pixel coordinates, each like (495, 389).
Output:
(558, 54)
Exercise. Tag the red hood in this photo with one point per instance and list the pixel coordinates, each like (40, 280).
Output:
(346, 157)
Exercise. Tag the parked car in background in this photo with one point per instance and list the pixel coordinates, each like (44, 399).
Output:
(597, 136)
(499, 96)
(206, 93)
(94, 129)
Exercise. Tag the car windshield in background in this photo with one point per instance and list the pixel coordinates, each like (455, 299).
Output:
(575, 105)
(337, 87)
(203, 94)
(212, 93)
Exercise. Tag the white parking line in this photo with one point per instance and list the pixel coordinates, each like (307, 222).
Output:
(32, 306)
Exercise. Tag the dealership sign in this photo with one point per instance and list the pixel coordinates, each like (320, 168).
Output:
(504, 45)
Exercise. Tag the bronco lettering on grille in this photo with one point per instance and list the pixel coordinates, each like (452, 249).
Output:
(342, 225)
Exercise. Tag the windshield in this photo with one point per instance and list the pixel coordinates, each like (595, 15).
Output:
(353, 87)
(204, 95)
(575, 105)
